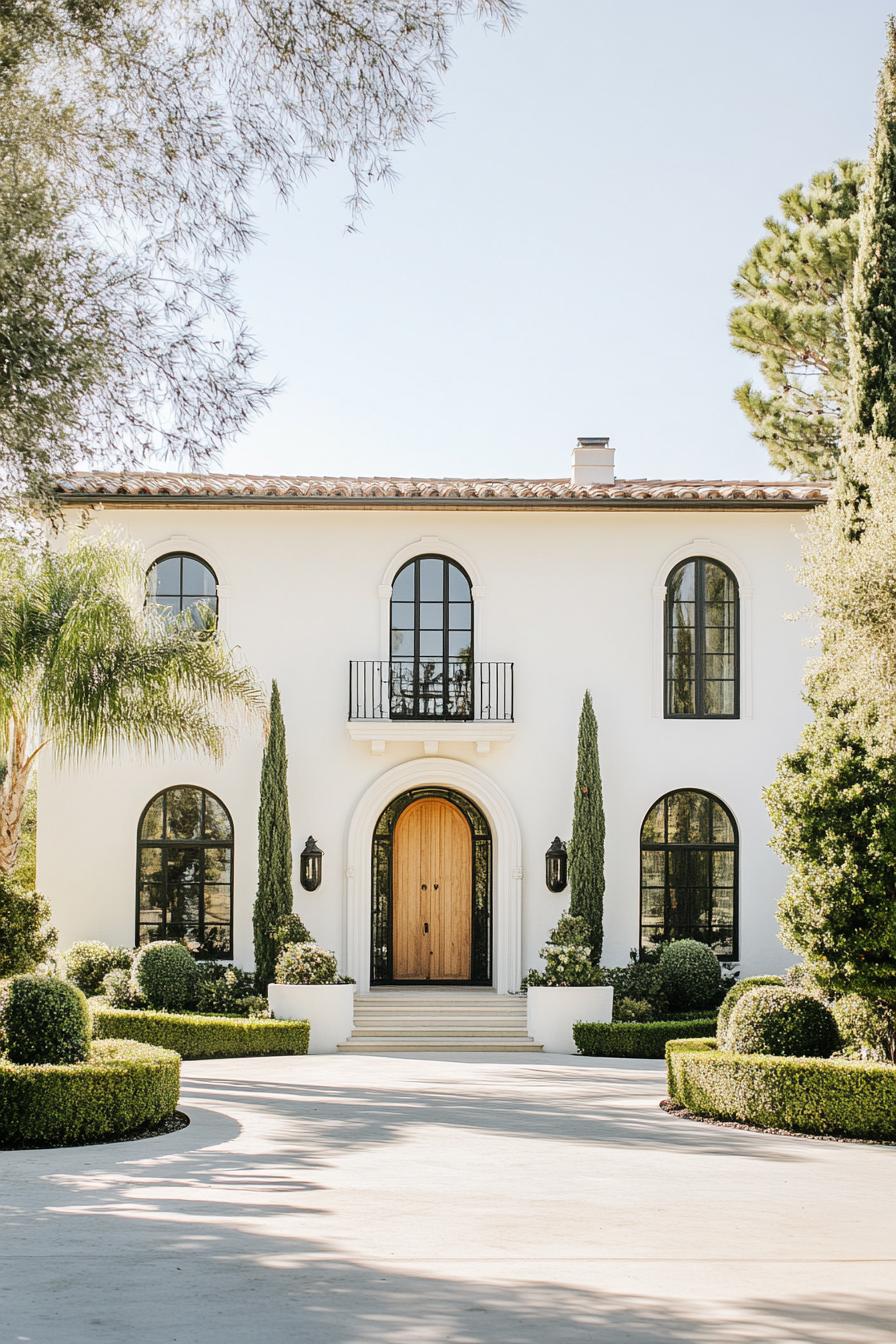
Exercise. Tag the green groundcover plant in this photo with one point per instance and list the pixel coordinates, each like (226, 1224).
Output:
(195, 1036)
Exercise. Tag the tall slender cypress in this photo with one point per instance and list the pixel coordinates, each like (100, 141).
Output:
(586, 847)
(274, 899)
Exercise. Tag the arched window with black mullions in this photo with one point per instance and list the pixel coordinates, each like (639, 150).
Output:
(689, 872)
(431, 641)
(179, 583)
(701, 638)
(185, 871)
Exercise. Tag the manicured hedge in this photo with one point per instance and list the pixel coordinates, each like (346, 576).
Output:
(198, 1036)
(636, 1040)
(842, 1097)
(121, 1088)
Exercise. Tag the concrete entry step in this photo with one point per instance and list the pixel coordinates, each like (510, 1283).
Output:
(439, 1018)
(374, 1045)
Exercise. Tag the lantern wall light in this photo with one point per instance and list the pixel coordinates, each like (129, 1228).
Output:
(311, 865)
(555, 861)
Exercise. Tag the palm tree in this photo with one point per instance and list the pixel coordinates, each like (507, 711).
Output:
(87, 665)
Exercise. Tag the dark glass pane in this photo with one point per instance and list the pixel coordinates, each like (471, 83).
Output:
(217, 822)
(403, 587)
(459, 645)
(719, 639)
(402, 643)
(198, 579)
(718, 698)
(682, 583)
(150, 864)
(460, 615)
(432, 578)
(722, 829)
(201, 611)
(653, 831)
(431, 615)
(681, 632)
(164, 577)
(151, 829)
(682, 687)
(169, 607)
(689, 817)
(402, 615)
(151, 900)
(653, 868)
(217, 864)
(217, 904)
(183, 865)
(458, 585)
(184, 820)
(431, 643)
(718, 583)
(723, 868)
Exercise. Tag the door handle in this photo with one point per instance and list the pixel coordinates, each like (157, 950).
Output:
(426, 928)
(422, 886)
(435, 886)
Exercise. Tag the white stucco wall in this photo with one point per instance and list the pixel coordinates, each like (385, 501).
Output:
(572, 598)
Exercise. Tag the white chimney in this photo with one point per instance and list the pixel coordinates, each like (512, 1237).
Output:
(592, 462)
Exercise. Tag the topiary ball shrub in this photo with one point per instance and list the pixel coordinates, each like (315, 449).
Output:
(775, 1020)
(166, 976)
(867, 1028)
(690, 974)
(43, 1020)
(87, 963)
(734, 996)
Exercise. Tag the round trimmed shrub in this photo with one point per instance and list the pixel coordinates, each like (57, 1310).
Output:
(166, 976)
(775, 1020)
(306, 964)
(734, 996)
(690, 973)
(87, 963)
(43, 1020)
(867, 1029)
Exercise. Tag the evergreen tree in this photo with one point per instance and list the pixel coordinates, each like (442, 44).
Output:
(791, 288)
(586, 847)
(871, 303)
(274, 899)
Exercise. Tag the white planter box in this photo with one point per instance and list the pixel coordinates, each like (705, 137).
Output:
(550, 1014)
(330, 1009)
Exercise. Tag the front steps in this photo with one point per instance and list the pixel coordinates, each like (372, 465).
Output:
(419, 1019)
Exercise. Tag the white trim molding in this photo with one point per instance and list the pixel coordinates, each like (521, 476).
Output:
(431, 734)
(713, 551)
(507, 866)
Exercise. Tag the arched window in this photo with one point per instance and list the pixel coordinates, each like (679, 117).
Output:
(689, 872)
(431, 645)
(701, 641)
(185, 871)
(180, 582)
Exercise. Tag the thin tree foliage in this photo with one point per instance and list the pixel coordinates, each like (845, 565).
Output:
(135, 135)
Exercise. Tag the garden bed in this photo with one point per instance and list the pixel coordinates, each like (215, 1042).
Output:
(122, 1088)
(203, 1036)
(637, 1040)
(836, 1097)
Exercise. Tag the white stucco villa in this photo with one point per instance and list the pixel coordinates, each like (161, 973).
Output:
(432, 640)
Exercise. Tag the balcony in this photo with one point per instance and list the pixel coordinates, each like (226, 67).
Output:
(430, 701)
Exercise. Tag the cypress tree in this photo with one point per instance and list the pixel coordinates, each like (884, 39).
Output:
(586, 848)
(274, 899)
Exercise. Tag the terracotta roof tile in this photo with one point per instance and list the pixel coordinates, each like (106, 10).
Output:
(135, 485)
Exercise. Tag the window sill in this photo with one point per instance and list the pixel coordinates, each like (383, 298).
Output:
(430, 733)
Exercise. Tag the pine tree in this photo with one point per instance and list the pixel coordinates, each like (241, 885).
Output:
(274, 899)
(871, 304)
(790, 315)
(586, 847)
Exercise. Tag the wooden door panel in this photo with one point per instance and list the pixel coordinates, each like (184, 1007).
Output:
(410, 902)
(431, 893)
(450, 904)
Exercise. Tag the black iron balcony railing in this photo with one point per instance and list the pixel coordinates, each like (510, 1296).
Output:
(430, 688)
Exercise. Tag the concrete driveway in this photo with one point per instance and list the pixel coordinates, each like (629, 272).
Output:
(465, 1198)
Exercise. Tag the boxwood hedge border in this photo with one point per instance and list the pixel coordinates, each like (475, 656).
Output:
(201, 1035)
(840, 1098)
(122, 1088)
(636, 1040)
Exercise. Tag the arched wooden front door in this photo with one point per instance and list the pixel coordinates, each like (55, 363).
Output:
(432, 866)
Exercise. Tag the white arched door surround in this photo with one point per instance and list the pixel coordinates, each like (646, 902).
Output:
(713, 551)
(507, 872)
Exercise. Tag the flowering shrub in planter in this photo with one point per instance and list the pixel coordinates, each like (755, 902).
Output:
(308, 986)
(569, 989)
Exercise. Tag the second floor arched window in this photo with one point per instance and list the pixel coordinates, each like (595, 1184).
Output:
(431, 641)
(179, 583)
(701, 637)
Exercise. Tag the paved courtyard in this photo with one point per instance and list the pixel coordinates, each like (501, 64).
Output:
(446, 1198)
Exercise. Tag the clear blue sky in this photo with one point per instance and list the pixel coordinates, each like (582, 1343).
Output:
(557, 254)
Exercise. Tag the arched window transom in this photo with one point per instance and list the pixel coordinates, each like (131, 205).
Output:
(431, 641)
(689, 872)
(701, 641)
(178, 583)
(185, 871)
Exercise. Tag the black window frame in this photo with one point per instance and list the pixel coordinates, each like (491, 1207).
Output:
(213, 605)
(700, 712)
(405, 701)
(202, 843)
(711, 847)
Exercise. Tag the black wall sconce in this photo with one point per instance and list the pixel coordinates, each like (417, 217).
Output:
(555, 866)
(311, 864)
